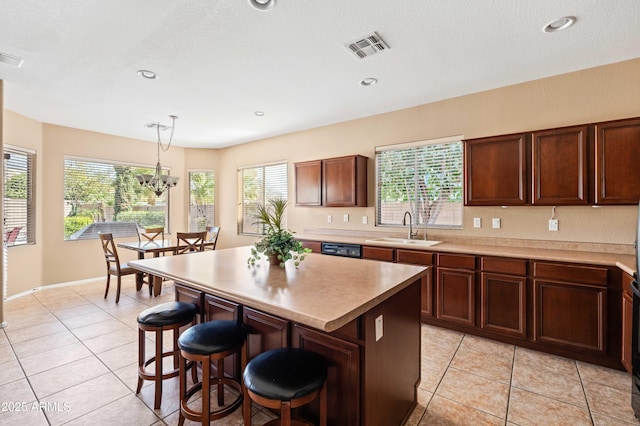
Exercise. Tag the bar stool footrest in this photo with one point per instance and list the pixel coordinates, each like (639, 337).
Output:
(192, 415)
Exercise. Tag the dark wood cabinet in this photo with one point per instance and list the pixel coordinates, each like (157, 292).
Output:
(497, 170)
(456, 289)
(378, 253)
(570, 306)
(627, 321)
(308, 176)
(315, 246)
(560, 172)
(503, 296)
(344, 374)
(332, 182)
(617, 171)
(344, 181)
(265, 332)
(186, 294)
(215, 308)
(424, 258)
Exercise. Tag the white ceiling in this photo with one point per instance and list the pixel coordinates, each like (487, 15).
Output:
(220, 61)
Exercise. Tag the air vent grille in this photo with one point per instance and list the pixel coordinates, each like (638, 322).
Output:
(15, 61)
(367, 45)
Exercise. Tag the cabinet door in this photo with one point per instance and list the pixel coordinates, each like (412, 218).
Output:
(343, 383)
(265, 332)
(627, 321)
(308, 176)
(617, 162)
(560, 166)
(186, 294)
(497, 171)
(456, 298)
(378, 253)
(503, 307)
(425, 258)
(214, 309)
(570, 315)
(344, 181)
(315, 246)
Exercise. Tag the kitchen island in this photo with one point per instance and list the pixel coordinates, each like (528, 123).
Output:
(364, 316)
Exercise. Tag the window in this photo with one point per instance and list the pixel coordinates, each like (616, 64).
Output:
(201, 200)
(256, 186)
(424, 178)
(19, 196)
(98, 192)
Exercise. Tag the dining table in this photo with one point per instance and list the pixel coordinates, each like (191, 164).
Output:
(156, 248)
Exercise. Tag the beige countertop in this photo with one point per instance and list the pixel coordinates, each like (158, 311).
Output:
(625, 262)
(325, 292)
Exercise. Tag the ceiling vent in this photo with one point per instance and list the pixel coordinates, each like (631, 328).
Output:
(367, 46)
(15, 61)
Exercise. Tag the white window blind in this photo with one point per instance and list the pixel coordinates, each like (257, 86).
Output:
(19, 197)
(257, 185)
(101, 192)
(201, 200)
(424, 178)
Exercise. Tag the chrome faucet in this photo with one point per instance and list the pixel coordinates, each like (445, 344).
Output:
(404, 223)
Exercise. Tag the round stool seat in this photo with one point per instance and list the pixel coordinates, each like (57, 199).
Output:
(285, 374)
(167, 314)
(212, 337)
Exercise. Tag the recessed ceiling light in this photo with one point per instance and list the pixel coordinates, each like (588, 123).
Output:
(263, 4)
(148, 74)
(559, 24)
(370, 81)
(259, 113)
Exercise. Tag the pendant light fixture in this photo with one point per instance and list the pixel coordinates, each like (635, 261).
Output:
(158, 182)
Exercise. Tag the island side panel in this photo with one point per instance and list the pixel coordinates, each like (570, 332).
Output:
(391, 370)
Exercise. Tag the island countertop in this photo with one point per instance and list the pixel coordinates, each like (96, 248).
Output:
(324, 292)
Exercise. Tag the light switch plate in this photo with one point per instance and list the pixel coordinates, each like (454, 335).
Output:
(496, 223)
(365, 220)
(379, 328)
(345, 217)
(553, 224)
(477, 222)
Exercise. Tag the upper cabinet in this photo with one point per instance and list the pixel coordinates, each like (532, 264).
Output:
(561, 165)
(577, 165)
(497, 170)
(617, 167)
(332, 182)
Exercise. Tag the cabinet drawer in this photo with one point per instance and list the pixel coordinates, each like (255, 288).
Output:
(414, 256)
(462, 261)
(315, 246)
(504, 266)
(571, 273)
(378, 253)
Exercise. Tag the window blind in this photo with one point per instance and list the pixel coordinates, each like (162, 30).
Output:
(257, 185)
(19, 197)
(97, 191)
(422, 178)
(201, 200)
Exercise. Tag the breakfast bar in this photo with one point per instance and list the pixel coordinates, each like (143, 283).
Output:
(362, 315)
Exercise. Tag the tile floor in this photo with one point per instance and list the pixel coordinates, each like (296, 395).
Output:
(68, 356)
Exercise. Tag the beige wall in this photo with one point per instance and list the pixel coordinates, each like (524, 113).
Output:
(603, 93)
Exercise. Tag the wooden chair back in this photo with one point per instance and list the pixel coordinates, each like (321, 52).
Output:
(190, 242)
(110, 252)
(212, 237)
(151, 234)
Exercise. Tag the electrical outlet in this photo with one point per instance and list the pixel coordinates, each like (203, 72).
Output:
(379, 328)
(496, 223)
(553, 224)
(365, 220)
(477, 222)
(345, 217)
(329, 219)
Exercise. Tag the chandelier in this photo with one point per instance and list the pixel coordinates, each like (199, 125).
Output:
(158, 182)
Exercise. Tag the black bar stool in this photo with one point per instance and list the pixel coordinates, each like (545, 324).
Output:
(167, 316)
(285, 379)
(205, 343)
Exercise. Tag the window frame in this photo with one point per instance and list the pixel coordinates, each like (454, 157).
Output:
(30, 200)
(151, 170)
(193, 228)
(416, 217)
(264, 196)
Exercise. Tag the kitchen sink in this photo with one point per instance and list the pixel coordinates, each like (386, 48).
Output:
(403, 241)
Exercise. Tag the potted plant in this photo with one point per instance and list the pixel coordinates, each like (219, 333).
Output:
(279, 244)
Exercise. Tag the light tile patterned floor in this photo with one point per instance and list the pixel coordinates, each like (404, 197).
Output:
(68, 356)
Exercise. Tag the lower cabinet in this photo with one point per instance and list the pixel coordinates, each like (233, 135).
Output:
(344, 374)
(627, 321)
(424, 258)
(570, 306)
(189, 295)
(215, 308)
(266, 332)
(456, 289)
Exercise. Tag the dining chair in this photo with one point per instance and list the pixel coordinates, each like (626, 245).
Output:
(188, 242)
(150, 234)
(114, 267)
(212, 237)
